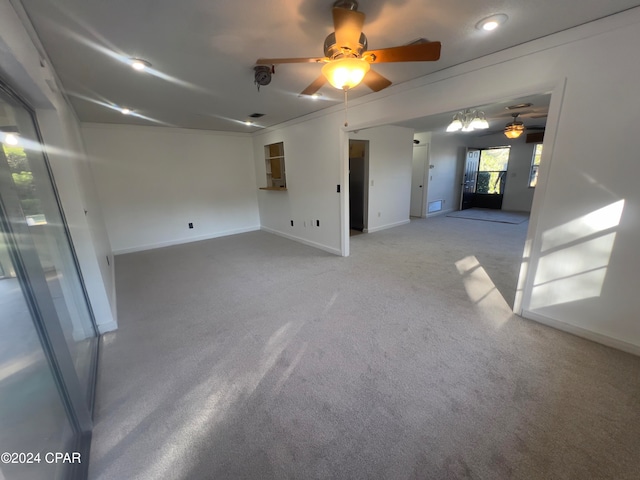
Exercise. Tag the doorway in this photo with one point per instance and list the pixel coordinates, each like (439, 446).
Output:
(419, 180)
(484, 177)
(358, 185)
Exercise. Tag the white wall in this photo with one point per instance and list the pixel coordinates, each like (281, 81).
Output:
(446, 156)
(589, 162)
(312, 151)
(518, 196)
(153, 181)
(20, 66)
(390, 165)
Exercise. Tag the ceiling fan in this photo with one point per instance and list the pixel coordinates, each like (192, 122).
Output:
(347, 60)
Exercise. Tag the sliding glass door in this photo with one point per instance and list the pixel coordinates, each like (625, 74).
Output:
(48, 339)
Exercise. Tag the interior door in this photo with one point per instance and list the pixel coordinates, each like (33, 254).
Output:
(419, 181)
(469, 178)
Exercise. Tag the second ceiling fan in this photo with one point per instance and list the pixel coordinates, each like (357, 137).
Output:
(347, 62)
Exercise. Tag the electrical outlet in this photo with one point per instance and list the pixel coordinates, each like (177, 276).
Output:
(190, 224)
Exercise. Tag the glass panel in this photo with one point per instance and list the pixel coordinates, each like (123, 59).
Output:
(490, 182)
(32, 416)
(29, 171)
(494, 159)
(535, 163)
(492, 170)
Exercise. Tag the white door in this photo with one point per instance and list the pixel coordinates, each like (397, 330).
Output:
(419, 181)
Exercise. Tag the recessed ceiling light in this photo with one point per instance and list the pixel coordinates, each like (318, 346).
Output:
(139, 64)
(125, 111)
(248, 123)
(491, 23)
(316, 96)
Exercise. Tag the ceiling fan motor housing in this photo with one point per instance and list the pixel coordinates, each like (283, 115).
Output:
(262, 75)
(346, 4)
(333, 51)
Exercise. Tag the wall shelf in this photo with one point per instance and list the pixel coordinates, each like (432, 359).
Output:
(274, 163)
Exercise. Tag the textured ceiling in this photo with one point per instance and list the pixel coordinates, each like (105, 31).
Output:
(203, 52)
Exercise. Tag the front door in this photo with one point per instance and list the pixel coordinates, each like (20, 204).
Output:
(470, 177)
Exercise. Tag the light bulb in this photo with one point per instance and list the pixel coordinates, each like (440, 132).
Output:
(345, 73)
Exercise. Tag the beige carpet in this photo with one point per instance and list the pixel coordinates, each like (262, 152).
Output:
(255, 357)
(491, 215)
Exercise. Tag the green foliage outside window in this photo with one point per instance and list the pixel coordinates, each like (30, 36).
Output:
(492, 170)
(535, 165)
(23, 179)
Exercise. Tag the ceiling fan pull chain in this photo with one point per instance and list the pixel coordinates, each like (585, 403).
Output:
(346, 108)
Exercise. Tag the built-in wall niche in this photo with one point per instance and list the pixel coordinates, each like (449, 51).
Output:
(274, 163)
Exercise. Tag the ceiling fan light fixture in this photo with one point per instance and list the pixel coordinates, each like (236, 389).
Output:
(492, 22)
(513, 131)
(345, 73)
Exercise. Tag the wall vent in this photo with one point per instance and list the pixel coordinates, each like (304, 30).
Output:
(434, 206)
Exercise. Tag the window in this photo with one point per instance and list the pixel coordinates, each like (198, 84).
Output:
(535, 164)
(492, 170)
(274, 163)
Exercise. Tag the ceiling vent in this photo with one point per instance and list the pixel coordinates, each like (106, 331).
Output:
(256, 115)
(518, 106)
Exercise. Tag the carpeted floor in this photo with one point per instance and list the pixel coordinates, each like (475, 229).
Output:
(255, 357)
(491, 215)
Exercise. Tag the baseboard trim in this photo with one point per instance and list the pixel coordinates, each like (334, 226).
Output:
(441, 212)
(389, 225)
(170, 243)
(584, 333)
(311, 243)
(107, 327)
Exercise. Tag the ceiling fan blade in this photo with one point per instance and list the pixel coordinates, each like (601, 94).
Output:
(422, 52)
(316, 85)
(348, 26)
(275, 61)
(375, 81)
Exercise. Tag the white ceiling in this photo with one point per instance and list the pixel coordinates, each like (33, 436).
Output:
(203, 52)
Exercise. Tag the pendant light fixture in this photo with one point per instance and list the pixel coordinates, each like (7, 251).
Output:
(467, 121)
(515, 128)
